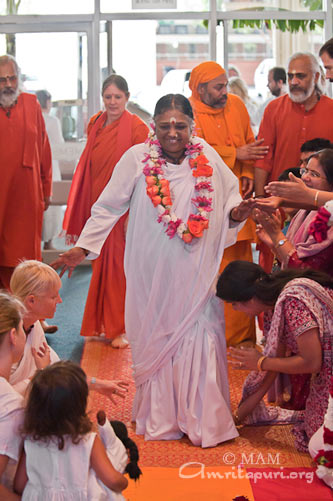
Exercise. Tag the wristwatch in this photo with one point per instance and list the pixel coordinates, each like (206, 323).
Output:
(281, 242)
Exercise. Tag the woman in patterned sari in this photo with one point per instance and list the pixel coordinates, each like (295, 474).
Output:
(298, 306)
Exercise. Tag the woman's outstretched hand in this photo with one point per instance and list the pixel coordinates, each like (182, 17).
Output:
(69, 260)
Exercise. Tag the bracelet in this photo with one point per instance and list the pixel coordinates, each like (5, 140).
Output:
(260, 362)
(260, 196)
(316, 198)
(93, 380)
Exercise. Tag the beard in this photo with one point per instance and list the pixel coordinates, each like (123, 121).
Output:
(302, 96)
(8, 96)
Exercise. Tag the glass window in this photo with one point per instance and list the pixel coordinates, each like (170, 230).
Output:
(161, 59)
(292, 5)
(57, 62)
(253, 51)
(182, 6)
(50, 7)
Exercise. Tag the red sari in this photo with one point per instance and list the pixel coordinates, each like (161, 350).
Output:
(104, 310)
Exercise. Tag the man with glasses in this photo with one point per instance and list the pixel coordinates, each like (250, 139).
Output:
(26, 175)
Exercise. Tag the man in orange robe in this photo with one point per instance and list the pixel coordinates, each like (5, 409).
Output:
(26, 172)
(288, 122)
(223, 121)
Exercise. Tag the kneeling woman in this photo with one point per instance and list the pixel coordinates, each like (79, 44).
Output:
(298, 307)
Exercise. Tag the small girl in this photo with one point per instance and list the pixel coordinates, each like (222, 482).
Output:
(122, 452)
(60, 446)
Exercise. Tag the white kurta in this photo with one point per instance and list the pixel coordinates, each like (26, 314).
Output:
(52, 221)
(22, 372)
(173, 319)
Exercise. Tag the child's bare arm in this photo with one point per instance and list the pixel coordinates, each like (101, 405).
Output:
(104, 469)
(6, 494)
(21, 477)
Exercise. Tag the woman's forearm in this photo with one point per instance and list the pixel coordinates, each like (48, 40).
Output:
(247, 406)
(291, 365)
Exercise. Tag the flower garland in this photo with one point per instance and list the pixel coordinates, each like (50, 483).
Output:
(324, 458)
(324, 218)
(158, 190)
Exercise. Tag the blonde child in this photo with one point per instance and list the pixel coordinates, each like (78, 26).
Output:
(60, 445)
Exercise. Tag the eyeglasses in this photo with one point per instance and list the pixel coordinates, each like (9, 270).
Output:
(312, 173)
(11, 79)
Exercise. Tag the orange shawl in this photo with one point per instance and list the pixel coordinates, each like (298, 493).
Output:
(86, 186)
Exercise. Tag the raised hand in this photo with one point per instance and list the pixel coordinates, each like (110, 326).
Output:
(41, 356)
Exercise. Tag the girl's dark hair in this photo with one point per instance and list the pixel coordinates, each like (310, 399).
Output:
(325, 159)
(173, 102)
(57, 404)
(118, 81)
(132, 467)
(241, 281)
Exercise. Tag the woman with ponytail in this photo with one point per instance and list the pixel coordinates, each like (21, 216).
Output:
(298, 308)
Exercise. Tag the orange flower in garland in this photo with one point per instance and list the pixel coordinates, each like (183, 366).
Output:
(200, 166)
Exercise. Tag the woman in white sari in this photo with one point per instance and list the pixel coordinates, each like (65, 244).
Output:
(185, 208)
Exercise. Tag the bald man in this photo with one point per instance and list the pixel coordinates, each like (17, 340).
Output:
(223, 121)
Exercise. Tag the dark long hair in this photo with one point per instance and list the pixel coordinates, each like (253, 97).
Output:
(132, 467)
(241, 281)
(173, 102)
(57, 404)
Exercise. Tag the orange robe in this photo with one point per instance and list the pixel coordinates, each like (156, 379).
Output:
(225, 129)
(26, 179)
(104, 310)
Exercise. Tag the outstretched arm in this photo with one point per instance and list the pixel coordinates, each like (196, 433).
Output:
(110, 389)
(69, 260)
(296, 194)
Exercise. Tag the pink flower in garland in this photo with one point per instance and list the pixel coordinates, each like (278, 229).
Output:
(203, 186)
(203, 202)
(172, 228)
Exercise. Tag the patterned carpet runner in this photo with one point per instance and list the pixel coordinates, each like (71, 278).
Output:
(217, 473)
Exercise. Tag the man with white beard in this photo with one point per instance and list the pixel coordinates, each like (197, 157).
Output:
(26, 172)
(290, 120)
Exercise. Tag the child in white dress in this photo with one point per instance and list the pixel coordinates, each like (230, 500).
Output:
(60, 445)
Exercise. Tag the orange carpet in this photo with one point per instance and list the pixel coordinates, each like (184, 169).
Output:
(262, 447)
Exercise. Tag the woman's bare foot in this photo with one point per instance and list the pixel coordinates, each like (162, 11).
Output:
(119, 342)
